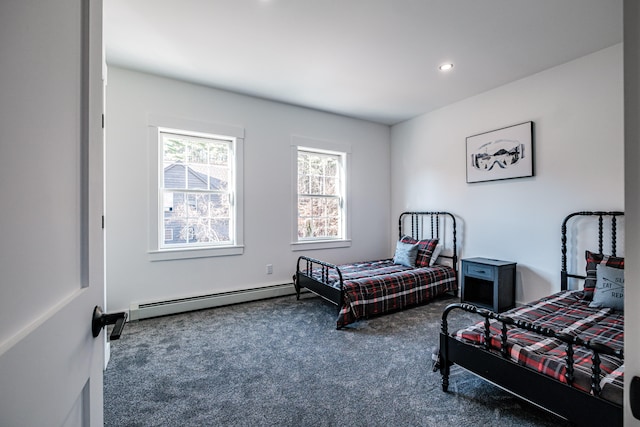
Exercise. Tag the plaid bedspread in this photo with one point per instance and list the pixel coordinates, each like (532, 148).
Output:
(563, 312)
(376, 287)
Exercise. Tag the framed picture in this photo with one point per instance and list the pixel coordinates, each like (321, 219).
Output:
(500, 154)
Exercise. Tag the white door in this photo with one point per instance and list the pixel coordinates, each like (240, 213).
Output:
(51, 200)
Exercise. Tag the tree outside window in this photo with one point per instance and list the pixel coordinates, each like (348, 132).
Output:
(320, 195)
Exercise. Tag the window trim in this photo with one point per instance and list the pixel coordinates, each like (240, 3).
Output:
(329, 147)
(157, 123)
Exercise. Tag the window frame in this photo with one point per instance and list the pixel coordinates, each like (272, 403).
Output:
(300, 143)
(157, 251)
(189, 193)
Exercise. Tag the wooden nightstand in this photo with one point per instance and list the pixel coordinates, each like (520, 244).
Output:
(488, 283)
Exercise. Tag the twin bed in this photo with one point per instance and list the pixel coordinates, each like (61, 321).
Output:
(563, 352)
(365, 289)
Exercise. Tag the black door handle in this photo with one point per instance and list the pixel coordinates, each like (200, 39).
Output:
(102, 319)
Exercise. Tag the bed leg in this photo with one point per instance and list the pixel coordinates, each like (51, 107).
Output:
(444, 365)
(444, 370)
(295, 285)
(443, 353)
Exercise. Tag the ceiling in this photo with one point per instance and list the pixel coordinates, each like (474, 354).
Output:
(371, 59)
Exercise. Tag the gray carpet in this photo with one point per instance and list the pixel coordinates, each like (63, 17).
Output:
(281, 362)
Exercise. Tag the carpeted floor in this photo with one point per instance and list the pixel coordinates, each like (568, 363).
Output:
(281, 362)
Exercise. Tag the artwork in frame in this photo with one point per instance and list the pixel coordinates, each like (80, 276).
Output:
(501, 154)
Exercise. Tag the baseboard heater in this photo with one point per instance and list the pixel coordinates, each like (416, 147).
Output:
(181, 305)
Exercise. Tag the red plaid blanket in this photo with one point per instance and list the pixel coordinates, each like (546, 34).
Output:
(563, 312)
(377, 287)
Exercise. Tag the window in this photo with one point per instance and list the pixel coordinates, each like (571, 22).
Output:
(320, 194)
(196, 189)
(320, 199)
(196, 184)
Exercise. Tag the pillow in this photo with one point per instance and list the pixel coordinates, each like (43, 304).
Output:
(592, 261)
(406, 254)
(609, 288)
(436, 253)
(425, 249)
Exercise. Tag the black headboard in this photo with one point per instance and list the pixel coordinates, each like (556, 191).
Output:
(423, 221)
(613, 238)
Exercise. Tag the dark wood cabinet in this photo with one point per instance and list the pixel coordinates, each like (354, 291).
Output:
(489, 283)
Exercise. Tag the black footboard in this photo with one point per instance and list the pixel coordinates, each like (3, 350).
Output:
(314, 275)
(494, 365)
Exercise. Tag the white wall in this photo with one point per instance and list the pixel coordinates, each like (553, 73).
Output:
(578, 143)
(132, 278)
(632, 201)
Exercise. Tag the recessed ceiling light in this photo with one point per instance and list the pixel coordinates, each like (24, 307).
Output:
(445, 67)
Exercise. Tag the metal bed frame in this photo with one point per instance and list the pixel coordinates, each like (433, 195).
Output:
(492, 364)
(306, 265)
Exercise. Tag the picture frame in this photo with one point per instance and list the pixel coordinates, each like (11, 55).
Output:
(500, 154)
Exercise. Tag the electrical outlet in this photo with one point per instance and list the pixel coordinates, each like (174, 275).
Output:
(269, 268)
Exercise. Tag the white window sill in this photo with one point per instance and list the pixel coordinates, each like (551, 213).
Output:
(320, 244)
(188, 253)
